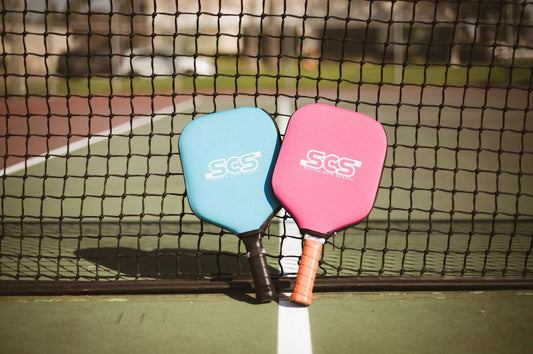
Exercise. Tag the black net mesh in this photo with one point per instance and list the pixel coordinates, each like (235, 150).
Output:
(95, 94)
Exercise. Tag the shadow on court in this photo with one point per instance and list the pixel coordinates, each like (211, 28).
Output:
(127, 262)
(167, 263)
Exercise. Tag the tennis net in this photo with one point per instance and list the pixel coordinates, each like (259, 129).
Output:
(96, 93)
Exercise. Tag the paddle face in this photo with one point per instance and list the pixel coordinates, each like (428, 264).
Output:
(329, 167)
(227, 159)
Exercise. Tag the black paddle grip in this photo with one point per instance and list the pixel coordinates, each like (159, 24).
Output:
(264, 287)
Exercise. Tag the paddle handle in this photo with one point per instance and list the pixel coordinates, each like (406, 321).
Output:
(264, 287)
(305, 280)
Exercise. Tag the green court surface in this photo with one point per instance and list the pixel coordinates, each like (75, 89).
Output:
(122, 214)
(425, 322)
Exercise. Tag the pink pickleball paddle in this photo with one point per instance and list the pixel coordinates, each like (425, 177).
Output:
(327, 176)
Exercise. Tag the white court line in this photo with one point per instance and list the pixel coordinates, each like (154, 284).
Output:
(294, 331)
(101, 136)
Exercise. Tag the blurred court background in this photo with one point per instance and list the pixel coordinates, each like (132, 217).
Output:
(95, 94)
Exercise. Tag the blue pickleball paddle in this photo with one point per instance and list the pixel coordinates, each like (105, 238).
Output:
(228, 158)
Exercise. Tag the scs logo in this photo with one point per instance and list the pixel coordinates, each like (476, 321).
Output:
(234, 165)
(332, 164)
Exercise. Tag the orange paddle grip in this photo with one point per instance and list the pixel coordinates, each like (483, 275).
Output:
(303, 289)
